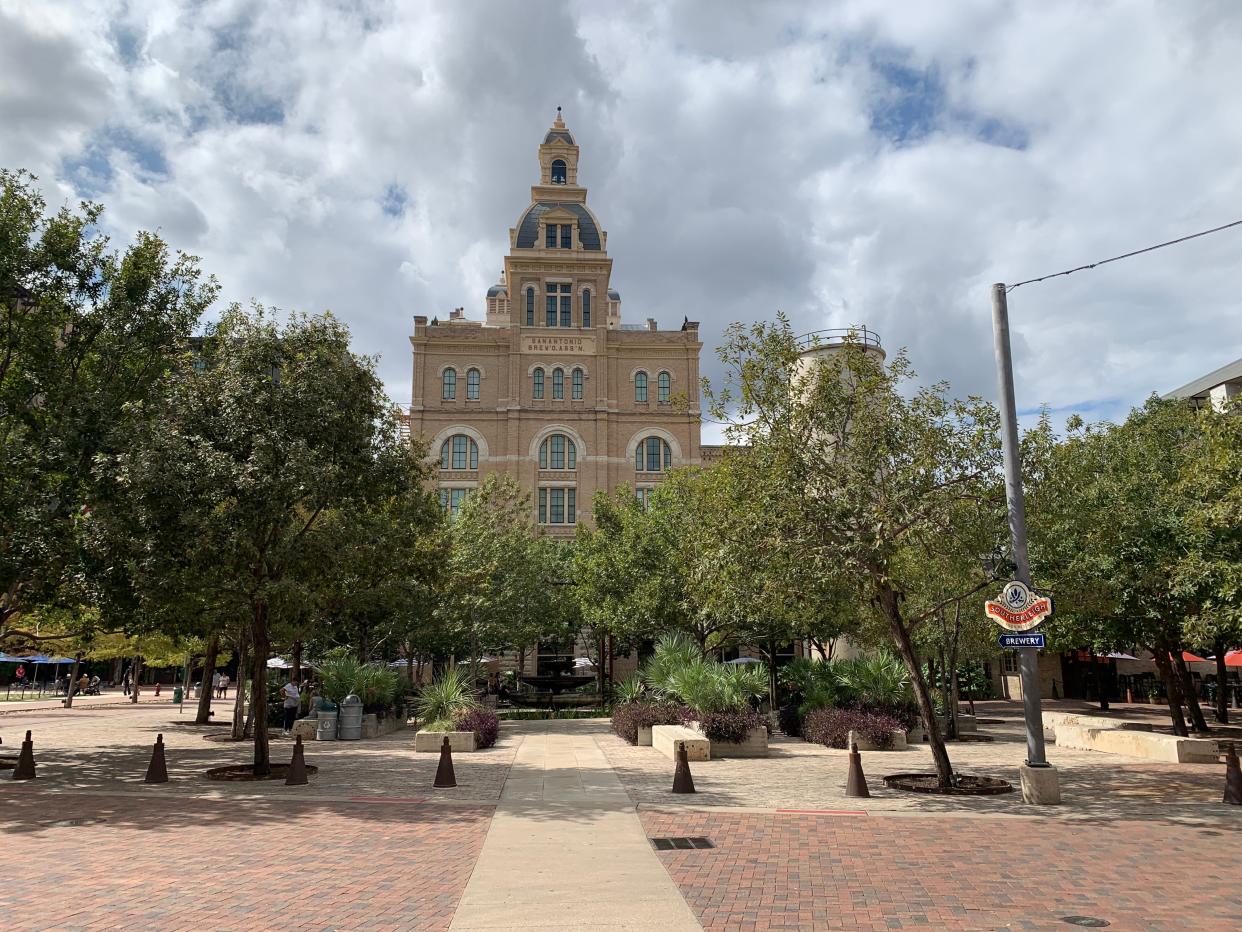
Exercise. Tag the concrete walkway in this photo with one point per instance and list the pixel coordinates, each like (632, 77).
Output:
(566, 849)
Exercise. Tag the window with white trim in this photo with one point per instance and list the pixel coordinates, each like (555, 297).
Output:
(472, 384)
(653, 454)
(530, 307)
(448, 385)
(558, 384)
(640, 386)
(664, 387)
(586, 309)
(576, 389)
(459, 452)
(451, 499)
(558, 300)
(558, 452)
(558, 505)
(538, 384)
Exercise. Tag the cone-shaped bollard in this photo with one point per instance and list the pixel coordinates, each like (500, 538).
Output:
(856, 783)
(1233, 777)
(682, 781)
(445, 777)
(157, 770)
(25, 769)
(297, 767)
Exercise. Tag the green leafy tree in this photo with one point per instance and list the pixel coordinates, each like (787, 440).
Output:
(269, 428)
(860, 475)
(85, 334)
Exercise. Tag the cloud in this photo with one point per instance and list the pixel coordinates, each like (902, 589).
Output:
(844, 163)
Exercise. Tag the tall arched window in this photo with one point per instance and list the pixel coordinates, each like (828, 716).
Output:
(538, 384)
(530, 307)
(558, 171)
(472, 384)
(558, 384)
(653, 454)
(640, 386)
(664, 383)
(576, 387)
(448, 383)
(586, 309)
(558, 452)
(459, 452)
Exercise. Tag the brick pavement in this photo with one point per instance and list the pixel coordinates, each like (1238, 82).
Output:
(783, 871)
(104, 862)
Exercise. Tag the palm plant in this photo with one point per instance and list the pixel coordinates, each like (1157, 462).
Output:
(340, 674)
(632, 690)
(442, 701)
(879, 681)
(673, 652)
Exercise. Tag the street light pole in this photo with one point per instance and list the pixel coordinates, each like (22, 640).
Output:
(1039, 779)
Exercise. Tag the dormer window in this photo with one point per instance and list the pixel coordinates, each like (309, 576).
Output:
(558, 171)
(559, 234)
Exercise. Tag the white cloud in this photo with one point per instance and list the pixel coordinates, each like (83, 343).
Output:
(845, 163)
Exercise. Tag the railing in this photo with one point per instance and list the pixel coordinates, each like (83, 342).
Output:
(839, 336)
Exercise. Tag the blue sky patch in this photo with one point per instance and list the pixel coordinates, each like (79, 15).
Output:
(394, 201)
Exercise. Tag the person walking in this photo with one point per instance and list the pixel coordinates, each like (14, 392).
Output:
(293, 698)
(126, 682)
(224, 685)
(215, 685)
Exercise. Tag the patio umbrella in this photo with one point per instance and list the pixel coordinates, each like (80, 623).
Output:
(745, 660)
(580, 662)
(1188, 657)
(1118, 655)
(1233, 658)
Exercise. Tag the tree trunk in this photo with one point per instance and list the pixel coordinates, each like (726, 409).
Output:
(771, 674)
(892, 611)
(953, 697)
(1197, 721)
(73, 681)
(262, 647)
(1100, 686)
(137, 670)
(297, 662)
(1172, 688)
(239, 701)
(204, 689)
(1222, 683)
(185, 679)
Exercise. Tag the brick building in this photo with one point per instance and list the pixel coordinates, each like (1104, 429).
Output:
(552, 388)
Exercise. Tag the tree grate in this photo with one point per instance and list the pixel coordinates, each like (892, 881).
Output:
(681, 843)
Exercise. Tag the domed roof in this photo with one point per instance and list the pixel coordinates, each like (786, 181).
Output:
(559, 135)
(528, 226)
(497, 291)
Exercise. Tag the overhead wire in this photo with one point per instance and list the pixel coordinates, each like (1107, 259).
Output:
(1137, 252)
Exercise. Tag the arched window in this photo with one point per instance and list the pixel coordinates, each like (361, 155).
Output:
(586, 309)
(539, 384)
(558, 452)
(558, 384)
(640, 386)
(653, 455)
(530, 307)
(664, 383)
(472, 384)
(459, 452)
(449, 384)
(558, 171)
(576, 389)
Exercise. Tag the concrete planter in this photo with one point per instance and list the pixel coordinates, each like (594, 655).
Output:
(373, 726)
(755, 745)
(430, 741)
(644, 736)
(666, 738)
(865, 744)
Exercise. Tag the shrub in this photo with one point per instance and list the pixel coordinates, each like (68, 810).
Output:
(447, 697)
(831, 727)
(628, 717)
(483, 722)
(732, 725)
(632, 690)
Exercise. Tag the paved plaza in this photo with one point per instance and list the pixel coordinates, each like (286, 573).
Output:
(550, 830)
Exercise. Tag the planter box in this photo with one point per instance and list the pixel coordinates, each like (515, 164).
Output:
(430, 741)
(864, 744)
(755, 745)
(1133, 743)
(665, 738)
(644, 736)
(373, 726)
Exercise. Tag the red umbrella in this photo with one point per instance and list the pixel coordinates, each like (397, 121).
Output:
(1190, 658)
(1233, 658)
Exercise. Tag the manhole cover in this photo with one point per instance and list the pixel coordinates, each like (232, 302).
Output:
(681, 843)
(1089, 922)
(68, 823)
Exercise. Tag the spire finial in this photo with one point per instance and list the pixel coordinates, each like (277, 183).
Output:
(559, 124)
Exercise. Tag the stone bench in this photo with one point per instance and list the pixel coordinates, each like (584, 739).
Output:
(665, 738)
(1145, 744)
(755, 745)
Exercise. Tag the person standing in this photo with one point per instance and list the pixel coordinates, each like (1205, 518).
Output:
(126, 681)
(224, 685)
(293, 697)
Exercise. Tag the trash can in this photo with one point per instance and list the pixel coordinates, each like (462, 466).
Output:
(351, 718)
(325, 729)
(176, 695)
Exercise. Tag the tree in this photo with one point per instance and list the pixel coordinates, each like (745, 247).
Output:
(85, 334)
(861, 476)
(254, 438)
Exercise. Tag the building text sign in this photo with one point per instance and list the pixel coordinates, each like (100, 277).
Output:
(1036, 640)
(557, 343)
(1018, 608)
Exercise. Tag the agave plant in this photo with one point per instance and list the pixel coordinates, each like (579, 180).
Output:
(446, 698)
(632, 690)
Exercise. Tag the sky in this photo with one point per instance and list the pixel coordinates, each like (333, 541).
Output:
(845, 163)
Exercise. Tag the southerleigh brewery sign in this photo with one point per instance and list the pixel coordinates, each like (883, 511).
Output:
(1018, 608)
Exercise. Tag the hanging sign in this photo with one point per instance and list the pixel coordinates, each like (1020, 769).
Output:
(1018, 608)
(1036, 640)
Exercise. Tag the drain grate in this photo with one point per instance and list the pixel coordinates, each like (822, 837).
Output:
(1089, 922)
(682, 843)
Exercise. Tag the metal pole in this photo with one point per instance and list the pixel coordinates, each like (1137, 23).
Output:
(1028, 656)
